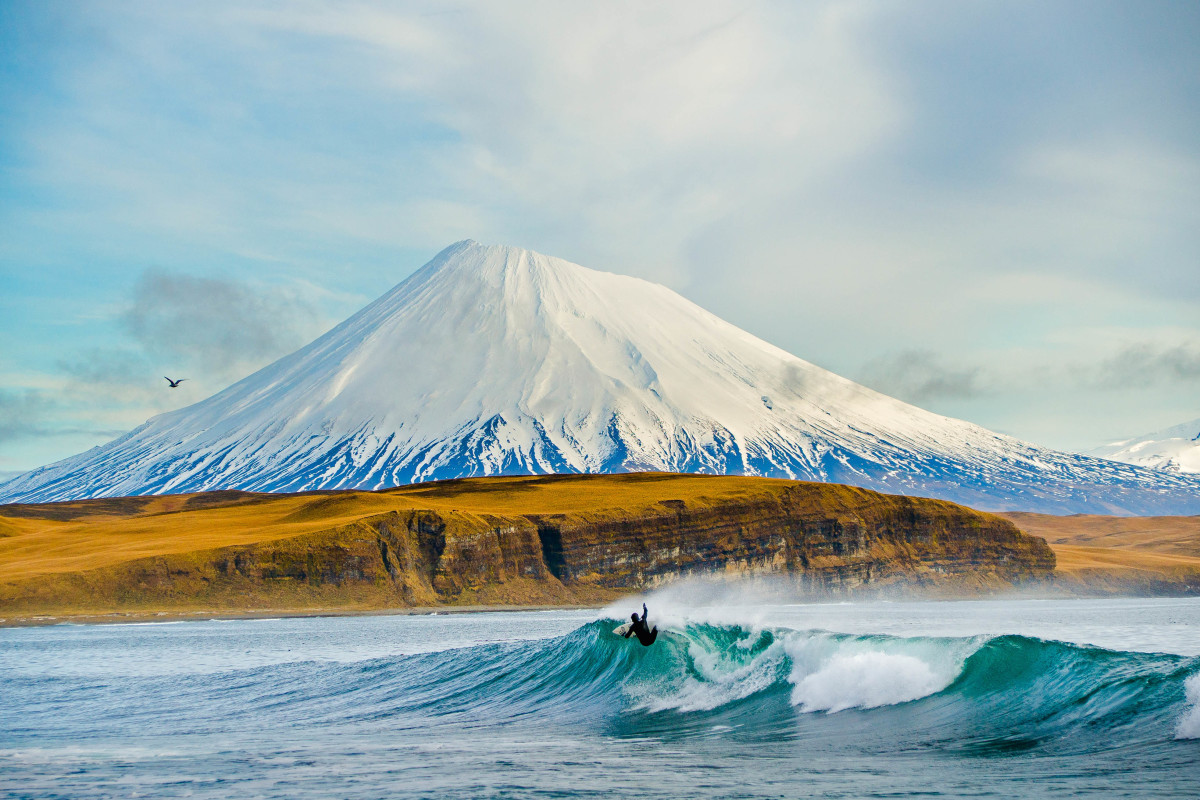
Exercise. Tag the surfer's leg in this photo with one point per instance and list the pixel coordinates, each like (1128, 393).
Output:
(649, 640)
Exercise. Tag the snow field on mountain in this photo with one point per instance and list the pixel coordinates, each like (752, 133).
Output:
(1176, 449)
(497, 360)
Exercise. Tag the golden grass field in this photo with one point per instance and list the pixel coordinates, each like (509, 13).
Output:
(329, 552)
(69, 537)
(54, 543)
(1106, 551)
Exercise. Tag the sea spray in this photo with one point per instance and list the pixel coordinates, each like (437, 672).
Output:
(1189, 726)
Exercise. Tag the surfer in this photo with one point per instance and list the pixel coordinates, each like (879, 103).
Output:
(645, 634)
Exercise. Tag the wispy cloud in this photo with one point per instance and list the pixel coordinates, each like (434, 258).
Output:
(1149, 364)
(919, 376)
(220, 326)
(32, 414)
(23, 414)
(211, 331)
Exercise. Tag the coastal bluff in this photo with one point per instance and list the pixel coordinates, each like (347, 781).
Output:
(542, 540)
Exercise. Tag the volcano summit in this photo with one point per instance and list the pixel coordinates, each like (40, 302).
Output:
(495, 360)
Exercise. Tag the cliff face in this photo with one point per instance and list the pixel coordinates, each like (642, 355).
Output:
(555, 540)
(832, 540)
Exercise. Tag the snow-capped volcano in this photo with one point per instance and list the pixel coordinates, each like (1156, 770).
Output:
(497, 360)
(1176, 449)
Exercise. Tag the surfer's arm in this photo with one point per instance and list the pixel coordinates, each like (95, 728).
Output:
(629, 632)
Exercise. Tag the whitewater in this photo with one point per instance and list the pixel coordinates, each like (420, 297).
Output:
(739, 698)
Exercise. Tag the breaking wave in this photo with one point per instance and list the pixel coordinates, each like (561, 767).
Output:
(1189, 726)
(980, 694)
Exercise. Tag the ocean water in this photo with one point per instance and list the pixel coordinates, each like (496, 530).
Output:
(1013, 698)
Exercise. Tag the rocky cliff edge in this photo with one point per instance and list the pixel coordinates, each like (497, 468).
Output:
(499, 541)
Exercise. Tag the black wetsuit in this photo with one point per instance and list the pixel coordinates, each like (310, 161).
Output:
(639, 629)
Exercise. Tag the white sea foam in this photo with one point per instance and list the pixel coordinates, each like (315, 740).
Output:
(866, 680)
(1189, 726)
(833, 674)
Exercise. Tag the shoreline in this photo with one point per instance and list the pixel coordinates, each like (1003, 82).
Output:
(150, 617)
(1066, 589)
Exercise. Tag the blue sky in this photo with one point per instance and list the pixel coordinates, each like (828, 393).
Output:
(991, 209)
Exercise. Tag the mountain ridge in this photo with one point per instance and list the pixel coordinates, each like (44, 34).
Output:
(1175, 449)
(493, 360)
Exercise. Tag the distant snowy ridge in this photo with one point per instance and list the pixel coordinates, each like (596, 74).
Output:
(1176, 449)
(497, 360)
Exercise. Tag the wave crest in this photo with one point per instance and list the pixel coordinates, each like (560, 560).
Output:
(866, 680)
(1189, 726)
(704, 667)
(973, 694)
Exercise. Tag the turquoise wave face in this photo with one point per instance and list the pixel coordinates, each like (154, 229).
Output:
(975, 695)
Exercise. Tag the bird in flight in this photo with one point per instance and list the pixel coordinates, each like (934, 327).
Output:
(175, 383)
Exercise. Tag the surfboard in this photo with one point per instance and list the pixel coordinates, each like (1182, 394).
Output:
(621, 630)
